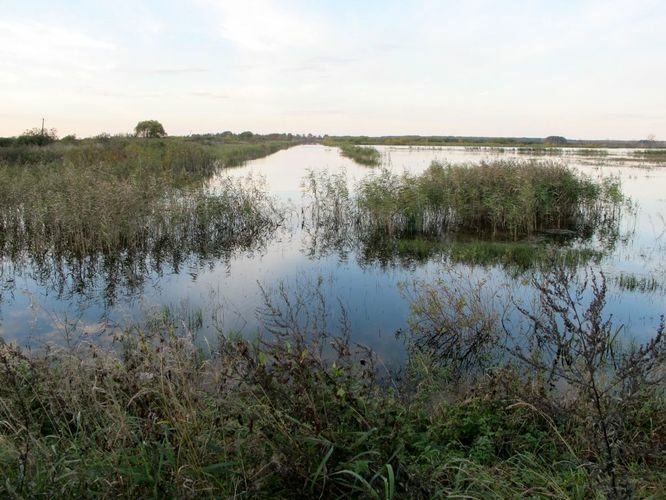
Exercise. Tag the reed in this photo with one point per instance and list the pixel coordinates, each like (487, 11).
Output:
(497, 198)
(107, 224)
(364, 155)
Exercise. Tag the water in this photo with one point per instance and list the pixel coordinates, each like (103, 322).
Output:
(227, 290)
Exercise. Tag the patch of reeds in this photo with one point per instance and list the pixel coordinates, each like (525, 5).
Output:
(364, 155)
(539, 151)
(78, 229)
(105, 213)
(411, 218)
(498, 198)
(590, 152)
(650, 154)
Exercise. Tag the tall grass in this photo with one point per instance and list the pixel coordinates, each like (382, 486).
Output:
(179, 155)
(501, 198)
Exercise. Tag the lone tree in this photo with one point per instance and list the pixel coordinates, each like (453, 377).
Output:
(149, 128)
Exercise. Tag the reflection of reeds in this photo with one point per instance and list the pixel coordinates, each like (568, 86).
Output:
(633, 283)
(511, 255)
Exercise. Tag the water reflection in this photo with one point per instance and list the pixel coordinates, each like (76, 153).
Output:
(193, 249)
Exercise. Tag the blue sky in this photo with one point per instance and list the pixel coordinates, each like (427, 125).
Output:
(591, 69)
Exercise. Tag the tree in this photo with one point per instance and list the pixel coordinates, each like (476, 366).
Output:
(149, 128)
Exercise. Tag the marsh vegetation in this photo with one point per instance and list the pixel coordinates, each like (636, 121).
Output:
(518, 376)
(365, 155)
(107, 214)
(496, 207)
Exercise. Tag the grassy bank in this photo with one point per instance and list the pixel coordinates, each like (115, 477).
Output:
(301, 412)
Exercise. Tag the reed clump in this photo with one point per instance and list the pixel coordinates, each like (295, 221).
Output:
(507, 213)
(509, 198)
(656, 155)
(364, 155)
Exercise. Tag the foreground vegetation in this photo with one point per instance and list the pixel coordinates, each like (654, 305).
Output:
(301, 412)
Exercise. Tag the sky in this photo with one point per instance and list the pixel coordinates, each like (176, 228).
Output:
(580, 69)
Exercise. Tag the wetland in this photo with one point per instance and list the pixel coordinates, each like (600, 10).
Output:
(260, 315)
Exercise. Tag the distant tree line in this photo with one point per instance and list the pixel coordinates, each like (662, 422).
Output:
(153, 129)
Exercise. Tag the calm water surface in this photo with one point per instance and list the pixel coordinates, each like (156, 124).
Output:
(228, 292)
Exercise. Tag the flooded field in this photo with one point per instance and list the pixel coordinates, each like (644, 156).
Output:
(221, 275)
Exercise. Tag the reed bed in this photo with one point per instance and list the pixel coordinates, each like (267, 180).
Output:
(511, 214)
(650, 154)
(173, 153)
(364, 155)
(106, 215)
(508, 198)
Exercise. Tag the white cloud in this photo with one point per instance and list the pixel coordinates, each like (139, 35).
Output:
(24, 43)
(265, 25)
